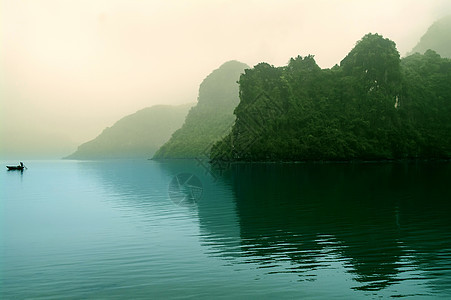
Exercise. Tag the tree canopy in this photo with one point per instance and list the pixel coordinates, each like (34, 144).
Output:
(372, 106)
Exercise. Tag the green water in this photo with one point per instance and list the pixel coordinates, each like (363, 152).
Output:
(146, 229)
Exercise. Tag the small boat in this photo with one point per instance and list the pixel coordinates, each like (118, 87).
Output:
(10, 168)
(20, 167)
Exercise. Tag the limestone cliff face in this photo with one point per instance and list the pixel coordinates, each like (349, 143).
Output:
(211, 118)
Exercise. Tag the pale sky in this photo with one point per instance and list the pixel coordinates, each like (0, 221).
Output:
(68, 69)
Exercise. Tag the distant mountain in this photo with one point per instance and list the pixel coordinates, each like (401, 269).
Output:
(211, 118)
(136, 135)
(437, 38)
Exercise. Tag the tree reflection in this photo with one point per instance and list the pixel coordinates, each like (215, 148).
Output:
(371, 215)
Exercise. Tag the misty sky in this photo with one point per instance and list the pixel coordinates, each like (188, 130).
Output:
(68, 69)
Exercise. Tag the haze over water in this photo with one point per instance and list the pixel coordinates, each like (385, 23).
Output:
(143, 229)
(69, 69)
(118, 229)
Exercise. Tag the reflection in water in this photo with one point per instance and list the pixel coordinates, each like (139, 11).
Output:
(383, 225)
(381, 220)
(216, 209)
(139, 184)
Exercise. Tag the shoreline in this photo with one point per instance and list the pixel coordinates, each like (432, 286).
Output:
(350, 161)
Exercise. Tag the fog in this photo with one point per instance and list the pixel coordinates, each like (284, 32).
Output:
(68, 69)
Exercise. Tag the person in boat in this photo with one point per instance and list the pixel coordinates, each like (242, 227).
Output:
(21, 165)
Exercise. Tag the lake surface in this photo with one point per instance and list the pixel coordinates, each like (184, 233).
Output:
(146, 229)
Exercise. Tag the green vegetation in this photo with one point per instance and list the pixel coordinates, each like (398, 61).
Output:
(436, 38)
(136, 135)
(373, 106)
(211, 118)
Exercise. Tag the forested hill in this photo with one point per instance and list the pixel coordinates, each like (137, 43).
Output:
(211, 118)
(372, 106)
(138, 135)
(437, 38)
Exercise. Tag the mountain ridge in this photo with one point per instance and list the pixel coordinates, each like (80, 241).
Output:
(373, 106)
(211, 118)
(436, 38)
(137, 135)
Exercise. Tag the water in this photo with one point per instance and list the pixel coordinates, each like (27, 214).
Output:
(132, 229)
